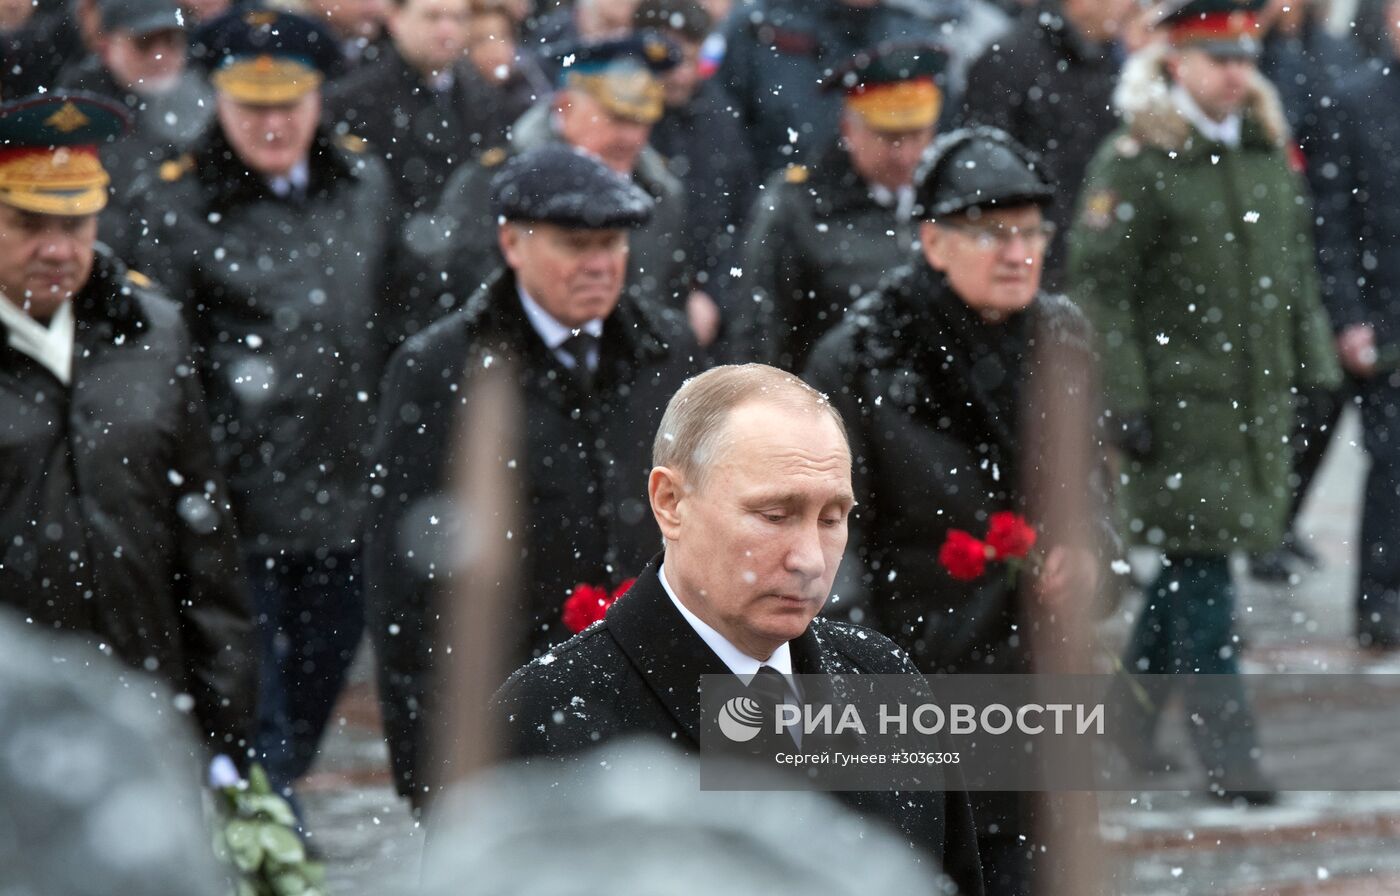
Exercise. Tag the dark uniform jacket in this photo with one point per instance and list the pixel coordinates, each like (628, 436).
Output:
(933, 401)
(1052, 90)
(705, 149)
(459, 237)
(817, 241)
(585, 461)
(284, 299)
(1360, 234)
(639, 672)
(115, 516)
(421, 135)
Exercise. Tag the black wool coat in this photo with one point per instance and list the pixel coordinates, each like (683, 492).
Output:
(421, 135)
(933, 402)
(285, 299)
(639, 672)
(115, 516)
(583, 465)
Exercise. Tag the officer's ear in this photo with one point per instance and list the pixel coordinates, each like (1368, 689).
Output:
(933, 242)
(509, 236)
(666, 490)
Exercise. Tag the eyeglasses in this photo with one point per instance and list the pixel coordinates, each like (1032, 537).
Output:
(999, 237)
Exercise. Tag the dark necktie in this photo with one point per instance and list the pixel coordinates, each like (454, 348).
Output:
(580, 347)
(771, 690)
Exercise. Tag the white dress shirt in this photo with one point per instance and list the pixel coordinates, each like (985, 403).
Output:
(51, 345)
(740, 663)
(1226, 132)
(555, 334)
(294, 180)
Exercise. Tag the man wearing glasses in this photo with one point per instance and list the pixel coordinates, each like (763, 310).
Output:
(929, 373)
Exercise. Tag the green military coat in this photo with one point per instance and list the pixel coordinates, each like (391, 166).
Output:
(1195, 261)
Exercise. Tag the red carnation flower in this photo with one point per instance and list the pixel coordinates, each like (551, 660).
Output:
(586, 604)
(1010, 535)
(964, 556)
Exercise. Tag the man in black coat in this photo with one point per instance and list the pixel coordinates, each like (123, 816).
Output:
(266, 233)
(595, 370)
(1049, 84)
(705, 148)
(1359, 246)
(116, 518)
(606, 103)
(420, 105)
(933, 371)
(751, 488)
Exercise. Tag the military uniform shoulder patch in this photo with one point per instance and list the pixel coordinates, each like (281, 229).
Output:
(493, 157)
(351, 143)
(172, 170)
(1099, 208)
(796, 174)
(1127, 146)
(139, 279)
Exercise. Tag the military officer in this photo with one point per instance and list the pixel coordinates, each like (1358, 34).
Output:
(268, 231)
(596, 368)
(821, 237)
(1192, 251)
(116, 517)
(608, 99)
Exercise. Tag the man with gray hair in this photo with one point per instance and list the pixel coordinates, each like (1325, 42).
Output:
(751, 489)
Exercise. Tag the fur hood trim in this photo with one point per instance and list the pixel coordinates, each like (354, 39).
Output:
(1143, 98)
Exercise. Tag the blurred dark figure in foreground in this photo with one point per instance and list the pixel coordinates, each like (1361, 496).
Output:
(269, 233)
(97, 793)
(1049, 84)
(116, 517)
(1193, 252)
(751, 488)
(703, 144)
(421, 106)
(933, 372)
(778, 54)
(1361, 275)
(606, 104)
(141, 62)
(541, 829)
(822, 237)
(596, 369)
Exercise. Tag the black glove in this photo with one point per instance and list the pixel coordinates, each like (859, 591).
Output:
(1133, 435)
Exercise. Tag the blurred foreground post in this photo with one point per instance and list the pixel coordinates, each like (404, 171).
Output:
(487, 495)
(1061, 425)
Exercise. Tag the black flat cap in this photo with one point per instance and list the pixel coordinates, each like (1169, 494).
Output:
(555, 184)
(978, 167)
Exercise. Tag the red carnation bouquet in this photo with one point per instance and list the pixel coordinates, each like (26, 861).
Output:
(1009, 540)
(587, 604)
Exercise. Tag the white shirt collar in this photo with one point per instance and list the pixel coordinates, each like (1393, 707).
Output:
(740, 663)
(551, 331)
(51, 346)
(1227, 132)
(297, 178)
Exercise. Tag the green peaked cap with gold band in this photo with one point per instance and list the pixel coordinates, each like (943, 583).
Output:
(48, 152)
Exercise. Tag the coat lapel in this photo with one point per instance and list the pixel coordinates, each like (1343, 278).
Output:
(667, 653)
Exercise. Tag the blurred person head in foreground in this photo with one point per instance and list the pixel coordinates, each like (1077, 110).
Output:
(632, 822)
(97, 788)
